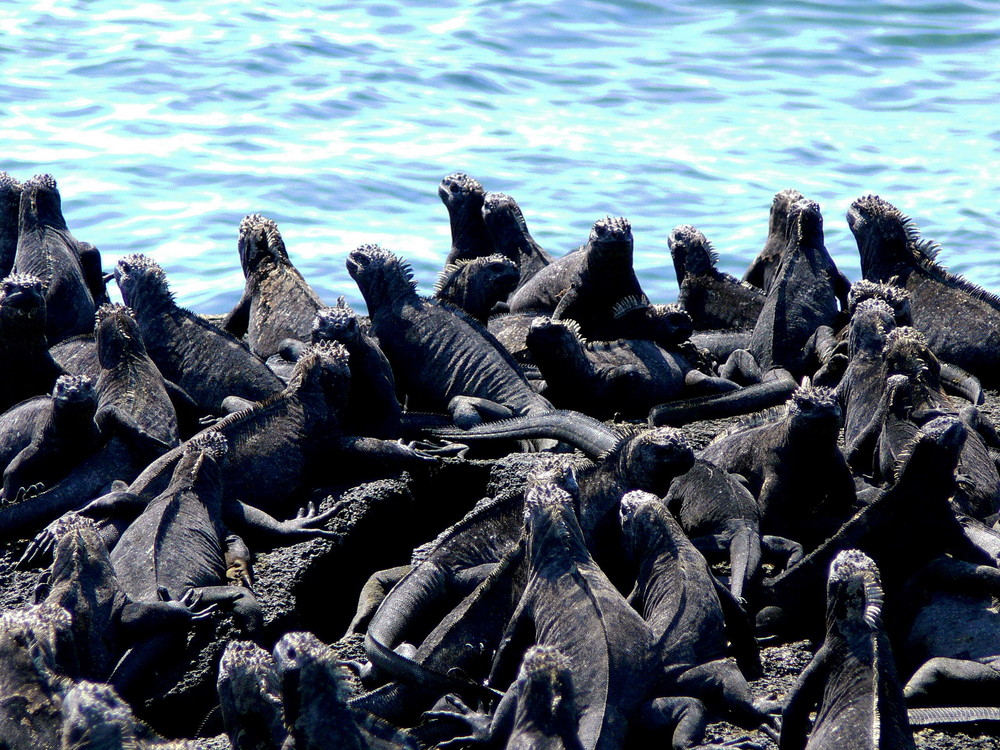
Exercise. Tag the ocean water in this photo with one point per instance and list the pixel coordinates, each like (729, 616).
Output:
(165, 123)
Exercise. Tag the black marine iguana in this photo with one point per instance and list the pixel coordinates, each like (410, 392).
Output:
(626, 377)
(463, 197)
(691, 615)
(476, 286)
(315, 698)
(23, 344)
(442, 360)
(764, 267)
(249, 690)
(277, 303)
(205, 361)
(586, 284)
(714, 300)
(60, 437)
(70, 270)
(852, 680)
(511, 237)
(781, 455)
(891, 246)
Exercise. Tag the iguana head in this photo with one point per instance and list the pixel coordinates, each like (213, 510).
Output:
(502, 214)
(81, 561)
(259, 240)
(805, 224)
(780, 205)
(552, 528)
(691, 251)
(248, 684)
(644, 517)
(325, 365)
(141, 280)
(22, 302)
(895, 296)
(882, 232)
(871, 322)
(814, 408)
(338, 323)
(94, 716)
(612, 237)
(555, 470)
(72, 389)
(653, 458)
(117, 335)
(305, 664)
(934, 452)
(853, 592)
(549, 338)
(40, 202)
(547, 696)
(458, 188)
(380, 275)
(907, 353)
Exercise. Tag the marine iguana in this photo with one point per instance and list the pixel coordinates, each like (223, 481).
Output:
(94, 717)
(891, 246)
(60, 437)
(442, 360)
(70, 270)
(463, 197)
(205, 361)
(626, 377)
(10, 201)
(586, 284)
(511, 237)
(691, 615)
(35, 646)
(781, 455)
(801, 301)
(852, 680)
(174, 550)
(130, 389)
(719, 514)
(249, 690)
(476, 286)
(22, 341)
(764, 267)
(277, 303)
(314, 693)
(714, 300)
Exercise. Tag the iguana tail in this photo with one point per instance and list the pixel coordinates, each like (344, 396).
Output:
(752, 398)
(922, 717)
(744, 558)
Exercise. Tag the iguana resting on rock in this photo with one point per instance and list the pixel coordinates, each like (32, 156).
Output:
(511, 237)
(781, 455)
(626, 377)
(314, 693)
(31, 370)
(205, 361)
(249, 690)
(691, 615)
(62, 434)
(719, 514)
(70, 270)
(851, 681)
(277, 303)
(891, 246)
(463, 197)
(803, 303)
(764, 268)
(586, 284)
(10, 201)
(442, 360)
(476, 286)
(714, 300)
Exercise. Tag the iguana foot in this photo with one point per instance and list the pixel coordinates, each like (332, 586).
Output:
(478, 723)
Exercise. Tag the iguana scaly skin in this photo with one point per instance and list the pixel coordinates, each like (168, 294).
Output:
(277, 303)
(205, 361)
(960, 320)
(10, 201)
(23, 343)
(714, 300)
(852, 680)
(250, 697)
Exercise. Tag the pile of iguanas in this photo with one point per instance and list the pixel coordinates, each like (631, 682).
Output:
(615, 589)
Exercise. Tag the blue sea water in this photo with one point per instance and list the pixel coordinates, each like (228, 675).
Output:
(165, 123)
